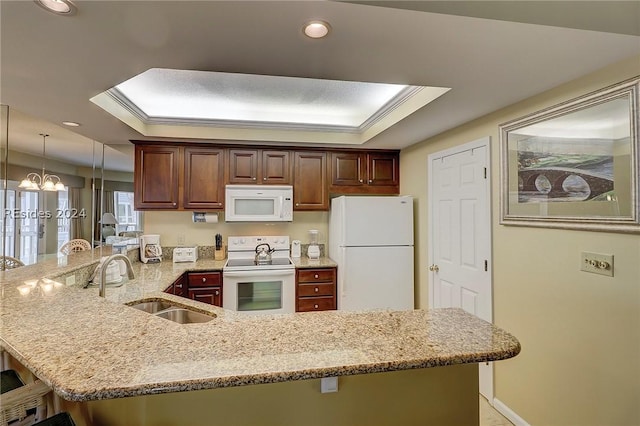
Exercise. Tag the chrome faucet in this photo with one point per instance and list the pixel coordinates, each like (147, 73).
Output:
(103, 273)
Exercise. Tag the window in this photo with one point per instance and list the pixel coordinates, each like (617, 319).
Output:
(128, 218)
(64, 220)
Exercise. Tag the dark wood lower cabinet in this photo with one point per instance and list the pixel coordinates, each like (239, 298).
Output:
(210, 295)
(316, 289)
(204, 287)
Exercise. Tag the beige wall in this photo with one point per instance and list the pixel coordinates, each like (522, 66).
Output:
(580, 332)
(431, 396)
(172, 225)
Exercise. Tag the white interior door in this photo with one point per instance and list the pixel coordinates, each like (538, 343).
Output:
(460, 235)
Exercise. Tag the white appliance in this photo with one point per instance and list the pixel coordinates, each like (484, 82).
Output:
(259, 203)
(254, 288)
(150, 249)
(371, 240)
(185, 254)
(313, 249)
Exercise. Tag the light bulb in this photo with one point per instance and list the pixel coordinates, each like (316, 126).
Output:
(316, 29)
(48, 186)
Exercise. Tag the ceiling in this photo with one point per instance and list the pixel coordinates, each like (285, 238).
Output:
(491, 54)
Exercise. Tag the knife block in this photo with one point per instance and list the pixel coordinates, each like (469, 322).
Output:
(220, 254)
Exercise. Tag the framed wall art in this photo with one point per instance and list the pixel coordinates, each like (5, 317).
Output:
(574, 165)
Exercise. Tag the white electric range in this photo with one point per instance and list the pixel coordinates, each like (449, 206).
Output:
(257, 287)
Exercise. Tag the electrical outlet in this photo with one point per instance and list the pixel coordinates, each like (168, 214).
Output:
(328, 384)
(597, 263)
(181, 239)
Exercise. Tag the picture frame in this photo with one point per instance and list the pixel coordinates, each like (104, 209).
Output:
(574, 165)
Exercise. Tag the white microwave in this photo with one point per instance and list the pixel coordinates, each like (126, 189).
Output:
(258, 203)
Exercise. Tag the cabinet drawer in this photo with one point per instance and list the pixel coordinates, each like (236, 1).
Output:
(204, 279)
(316, 275)
(323, 303)
(324, 289)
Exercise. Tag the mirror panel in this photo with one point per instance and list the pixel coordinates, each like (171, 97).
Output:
(46, 220)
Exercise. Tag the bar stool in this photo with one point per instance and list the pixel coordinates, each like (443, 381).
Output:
(22, 404)
(27, 404)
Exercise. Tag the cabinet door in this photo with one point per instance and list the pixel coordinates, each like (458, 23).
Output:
(310, 189)
(383, 169)
(347, 168)
(203, 178)
(156, 177)
(276, 167)
(210, 295)
(177, 287)
(243, 166)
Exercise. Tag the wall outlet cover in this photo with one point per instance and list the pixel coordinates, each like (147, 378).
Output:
(597, 263)
(328, 384)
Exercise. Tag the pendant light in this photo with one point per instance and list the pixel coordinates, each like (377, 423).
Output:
(44, 182)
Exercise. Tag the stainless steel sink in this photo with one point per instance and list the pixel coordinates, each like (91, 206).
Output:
(153, 306)
(184, 316)
(172, 311)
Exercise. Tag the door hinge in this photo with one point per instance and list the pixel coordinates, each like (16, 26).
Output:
(485, 172)
(486, 265)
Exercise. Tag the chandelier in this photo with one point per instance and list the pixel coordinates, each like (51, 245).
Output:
(44, 182)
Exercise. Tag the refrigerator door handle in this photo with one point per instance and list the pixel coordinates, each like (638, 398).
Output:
(341, 274)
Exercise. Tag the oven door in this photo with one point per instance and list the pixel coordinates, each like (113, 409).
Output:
(259, 291)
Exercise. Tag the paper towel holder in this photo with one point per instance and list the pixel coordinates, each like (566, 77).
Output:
(205, 217)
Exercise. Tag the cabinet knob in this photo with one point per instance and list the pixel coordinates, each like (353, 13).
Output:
(315, 306)
(204, 280)
(297, 204)
(174, 204)
(370, 180)
(316, 289)
(253, 178)
(316, 276)
(360, 180)
(264, 178)
(217, 293)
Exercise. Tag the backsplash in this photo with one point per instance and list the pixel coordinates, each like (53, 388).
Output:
(206, 252)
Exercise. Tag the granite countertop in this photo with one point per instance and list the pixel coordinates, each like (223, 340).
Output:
(305, 263)
(87, 348)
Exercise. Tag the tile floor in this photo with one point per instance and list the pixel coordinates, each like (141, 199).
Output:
(489, 416)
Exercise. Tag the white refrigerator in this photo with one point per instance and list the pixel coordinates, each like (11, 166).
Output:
(371, 240)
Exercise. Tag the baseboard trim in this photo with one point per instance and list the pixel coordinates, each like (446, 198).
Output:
(511, 415)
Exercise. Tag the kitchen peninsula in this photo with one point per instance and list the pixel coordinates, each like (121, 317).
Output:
(113, 364)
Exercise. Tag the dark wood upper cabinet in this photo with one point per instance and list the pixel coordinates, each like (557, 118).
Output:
(203, 178)
(168, 177)
(157, 187)
(347, 168)
(365, 172)
(257, 166)
(310, 186)
(383, 169)
(276, 167)
(192, 176)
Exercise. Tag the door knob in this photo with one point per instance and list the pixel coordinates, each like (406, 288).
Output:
(434, 268)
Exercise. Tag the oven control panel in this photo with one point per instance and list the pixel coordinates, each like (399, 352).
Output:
(250, 242)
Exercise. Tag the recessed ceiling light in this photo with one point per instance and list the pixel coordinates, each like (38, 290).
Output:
(59, 7)
(316, 29)
(71, 123)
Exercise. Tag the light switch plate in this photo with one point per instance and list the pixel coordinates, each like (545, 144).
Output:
(597, 263)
